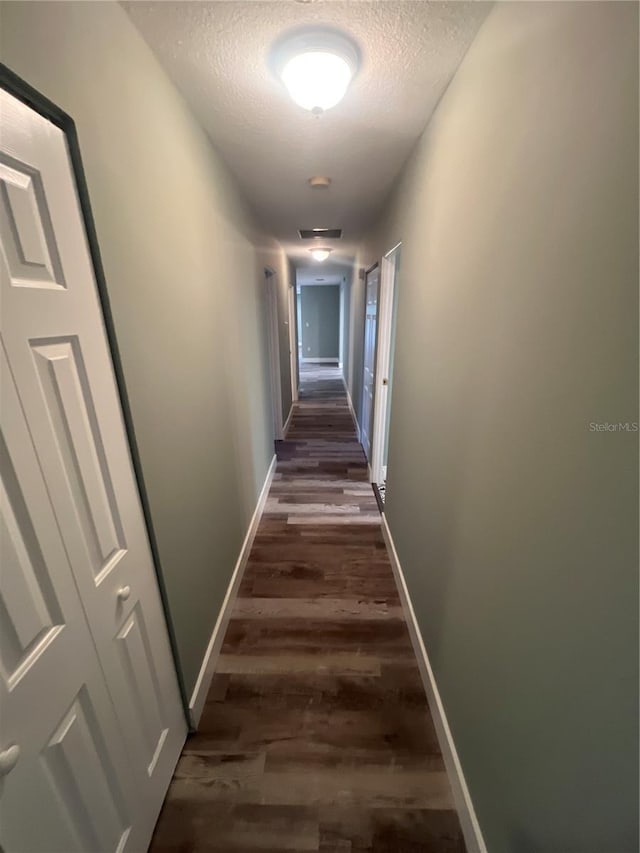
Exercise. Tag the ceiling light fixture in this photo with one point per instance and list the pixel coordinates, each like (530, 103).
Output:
(316, 67)
(320, 254)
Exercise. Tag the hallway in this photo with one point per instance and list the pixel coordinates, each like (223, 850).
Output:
(316, 733)
(319, 426)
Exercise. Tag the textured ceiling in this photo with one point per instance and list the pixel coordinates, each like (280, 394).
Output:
(217, 52)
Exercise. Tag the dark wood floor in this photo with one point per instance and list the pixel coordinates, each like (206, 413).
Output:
(316, 734)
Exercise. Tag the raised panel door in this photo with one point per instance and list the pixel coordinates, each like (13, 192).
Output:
(59, 356)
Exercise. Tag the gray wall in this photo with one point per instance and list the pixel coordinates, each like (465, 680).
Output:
(516, 525)
(186, 287)
(320, 321)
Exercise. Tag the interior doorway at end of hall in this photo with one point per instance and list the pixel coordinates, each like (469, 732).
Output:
(319, 309)
(387, 320)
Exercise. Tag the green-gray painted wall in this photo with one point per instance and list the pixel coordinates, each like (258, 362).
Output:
(515, 523)
(320, 321)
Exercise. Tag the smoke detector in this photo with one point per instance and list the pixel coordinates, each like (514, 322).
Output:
(319, 182)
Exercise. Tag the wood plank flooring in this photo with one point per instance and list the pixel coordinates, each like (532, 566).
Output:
(316, 734)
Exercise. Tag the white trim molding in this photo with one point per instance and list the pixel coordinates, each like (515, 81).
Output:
(466, 813)
(293, 346)
(199, 695)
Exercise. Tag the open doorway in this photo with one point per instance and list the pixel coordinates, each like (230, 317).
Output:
(387, 316)
(320, 324)
(369, 365)
(319, 320)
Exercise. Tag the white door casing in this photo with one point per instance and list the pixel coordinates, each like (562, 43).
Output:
(293, 346)
(383, 363)
(58, 354)
(341, 329)
(369, 368)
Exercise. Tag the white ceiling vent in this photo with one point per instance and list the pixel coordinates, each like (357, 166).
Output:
(324, 233)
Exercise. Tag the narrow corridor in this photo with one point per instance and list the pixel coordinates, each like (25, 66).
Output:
(258, 259)
(316, 734)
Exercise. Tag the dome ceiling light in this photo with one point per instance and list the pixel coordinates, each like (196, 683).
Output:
(316, 67)
(320, 254)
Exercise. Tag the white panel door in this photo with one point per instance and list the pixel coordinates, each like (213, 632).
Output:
(368, 382)
(65, 780)
(384, 365)
(59, 356)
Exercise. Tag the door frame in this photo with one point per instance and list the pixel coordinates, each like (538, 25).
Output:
(293, 341)
(273, 328)
(341, 329)
(375, 366)
(383, 360)
(38, 102)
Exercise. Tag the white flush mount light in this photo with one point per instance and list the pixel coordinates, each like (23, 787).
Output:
(320, 254)
(316, 67)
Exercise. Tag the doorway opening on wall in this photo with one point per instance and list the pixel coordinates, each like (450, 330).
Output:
(320, 305)
(372, 280)
(319, 318)
(271, 283)
(387, 318)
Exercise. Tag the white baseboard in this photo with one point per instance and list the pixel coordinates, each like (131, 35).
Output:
(351, 409)
(288, 421)
(466, 813)
(319, 360)
(199, 695)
